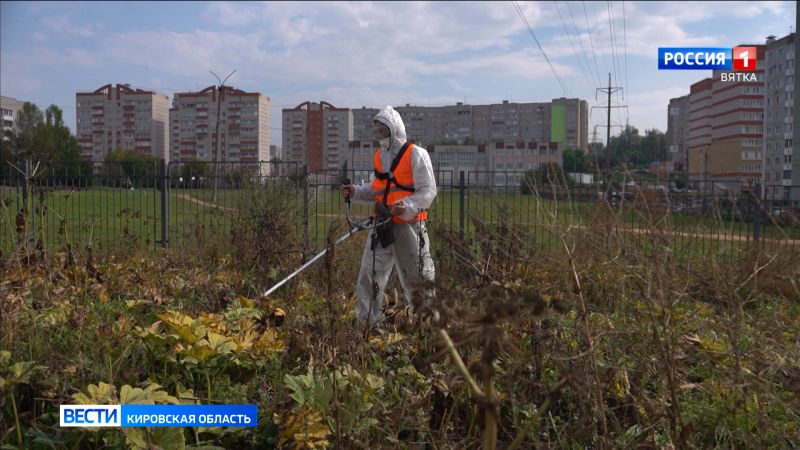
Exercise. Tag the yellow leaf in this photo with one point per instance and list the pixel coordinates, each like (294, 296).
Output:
(97, 394)
(305, 428)
(103, 297)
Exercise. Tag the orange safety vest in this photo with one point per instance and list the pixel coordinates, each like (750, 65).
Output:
(402, 183)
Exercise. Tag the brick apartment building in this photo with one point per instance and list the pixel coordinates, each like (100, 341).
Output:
(243, 125)
(726, 131)
(317, 134)
(122, 118)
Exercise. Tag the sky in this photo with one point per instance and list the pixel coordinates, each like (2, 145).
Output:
(354, 54)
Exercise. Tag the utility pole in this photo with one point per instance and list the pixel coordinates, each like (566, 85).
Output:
(216, 133)
(609, 90)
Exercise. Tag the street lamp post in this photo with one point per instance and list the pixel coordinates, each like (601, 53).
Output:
(216, 133)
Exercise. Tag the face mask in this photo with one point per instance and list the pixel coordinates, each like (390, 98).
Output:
(385, 143)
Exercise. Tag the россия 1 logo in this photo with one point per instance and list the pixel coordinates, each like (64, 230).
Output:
(711, 58)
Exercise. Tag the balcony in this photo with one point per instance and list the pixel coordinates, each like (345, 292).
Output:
(788, 135)
(788, 119)
(787, 182)
(787, 151)
(789, 88)
(788, 103)
(789, 72)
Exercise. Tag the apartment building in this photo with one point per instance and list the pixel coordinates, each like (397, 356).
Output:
(495, 164)
(781, 172)
(122, 118)
(9, 107)
(699, 124)
(318, 135)
(563, 120)
(726, 130)
(737, 128)
(562, 123)
(677, 134)
(243, 125)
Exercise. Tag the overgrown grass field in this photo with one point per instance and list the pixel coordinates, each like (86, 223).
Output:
(596, 341)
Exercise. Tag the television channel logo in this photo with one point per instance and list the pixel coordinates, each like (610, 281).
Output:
(707, 58)
(744, 59)
(90, 415)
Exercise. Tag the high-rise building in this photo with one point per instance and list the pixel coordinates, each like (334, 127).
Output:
(243, 125)
(727, 153)
(563, 121)
(737, 132)
(122, 118)
(318, 135)
(726, 129)
(9, 107)
(678, 133)
(781, 174)
(699, 128)
(560, 124)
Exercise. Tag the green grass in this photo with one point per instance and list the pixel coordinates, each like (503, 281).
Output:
(111, 218)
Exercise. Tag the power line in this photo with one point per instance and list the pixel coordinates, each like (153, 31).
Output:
(591, 42)
(625, 45)
(613, 46)
(575, 52)
(614, 60)
(553, 69)
(580, 41)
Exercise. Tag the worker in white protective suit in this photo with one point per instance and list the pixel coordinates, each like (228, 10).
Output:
(402, 186)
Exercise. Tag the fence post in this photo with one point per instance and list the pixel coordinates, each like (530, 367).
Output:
(306, 212)
(757, 212)
(27, 204)
(164, 184)
(23, 184)
(461, 195)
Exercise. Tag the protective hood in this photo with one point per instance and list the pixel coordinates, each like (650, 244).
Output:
(391, 119)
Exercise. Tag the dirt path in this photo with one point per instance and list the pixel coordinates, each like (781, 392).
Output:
(189, 198)
(713, 236)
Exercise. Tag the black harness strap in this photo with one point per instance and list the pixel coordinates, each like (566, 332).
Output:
(389, 176)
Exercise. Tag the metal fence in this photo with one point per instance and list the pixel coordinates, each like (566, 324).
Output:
(125, 205)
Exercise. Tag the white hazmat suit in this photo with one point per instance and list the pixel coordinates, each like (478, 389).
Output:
(410, 254)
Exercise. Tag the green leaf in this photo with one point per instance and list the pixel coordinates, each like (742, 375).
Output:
(161, 438)
(219, 343)
(97, 394)
(150, 395)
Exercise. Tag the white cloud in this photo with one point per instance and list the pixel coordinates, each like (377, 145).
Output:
(63, 25)
(372, 53)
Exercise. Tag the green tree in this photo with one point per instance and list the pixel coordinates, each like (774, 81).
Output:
(129, 168)
(192, 173)
(26, 137)
(636, 150)
(42, 138)
(575, 160)
(68, 166)
(545, 178)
